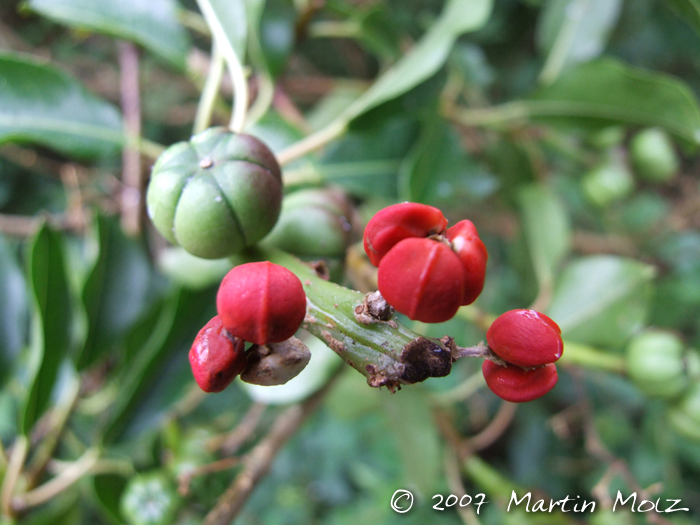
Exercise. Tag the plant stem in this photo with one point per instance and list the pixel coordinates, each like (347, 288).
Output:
(313, 142)
(14, 469)
(210, 91)
(462, 391)
(55, 486)
(589, 357)
(235, 67)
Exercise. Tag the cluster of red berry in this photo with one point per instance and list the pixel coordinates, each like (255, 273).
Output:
(529, 342)
(425, 271)
(257, 302)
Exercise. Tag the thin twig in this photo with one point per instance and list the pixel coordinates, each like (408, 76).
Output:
(56, 485)
(258, 462)
(312, 142)
(230, 443)
(498, 425)
(185, 478)
(14, 469)
(454, 480)
(210, 91)
(131, 198)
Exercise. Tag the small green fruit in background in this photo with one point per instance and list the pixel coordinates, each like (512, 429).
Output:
(215, 194)
(658, 364)
(606, 138)
(653, 155)
(684, 416)
(314, 222)
(608, 183)
(150, 499)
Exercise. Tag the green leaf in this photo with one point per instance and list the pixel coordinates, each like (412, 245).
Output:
(51, 321)
(608, 92)
(108, 491)
(152, 24)
(426, 57)
(228, 19)
(439, 172)
(689, 10)
(573, 31)
(410, 415)
(547, 230)
(177, 324)
(601, 300)
(13, 308)
(115, 292)
(40, 104)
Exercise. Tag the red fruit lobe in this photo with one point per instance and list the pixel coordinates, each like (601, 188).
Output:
(261, 302)
(525, 338)
(517, 385)
(474, 256)
(422, 279)
(395, 223)
(216, 357)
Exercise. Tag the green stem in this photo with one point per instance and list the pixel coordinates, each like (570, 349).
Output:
(589, 357)
(313, 142)
(210, 91)
(235, 66)
(387, 353)
(562, 44)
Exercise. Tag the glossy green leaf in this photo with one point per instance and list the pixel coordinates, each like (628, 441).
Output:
(227, 18)
(108, 490)
(601, 300)
(13, 308)
(115, 292)
(51, 334)
(438, 171)
(43, 105)
(409, 414)
(573, 31)
(689, 10)
(177, 324)
(427, 56)
(547, 230)
(608, 92)
(153, 24)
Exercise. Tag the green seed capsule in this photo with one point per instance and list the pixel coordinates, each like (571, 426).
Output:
(313, 223)
(607, 183)
(653, 155)
(215, 194)
(657, 363)
(150, 499)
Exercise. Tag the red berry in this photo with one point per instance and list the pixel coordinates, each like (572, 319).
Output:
(423, 279)
(398, 222)
(261, 302)
(517, 385)
(525, 338)
(472, 252)
(216, 357)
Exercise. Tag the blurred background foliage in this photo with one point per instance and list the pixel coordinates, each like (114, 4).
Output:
(566, 130)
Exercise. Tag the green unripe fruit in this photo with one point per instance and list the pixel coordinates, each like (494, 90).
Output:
(313, 223)
(607, 137)
(149, 499)
(684, 416)
(215, 194)
(653, 155)
(657, 363)
(607, 183)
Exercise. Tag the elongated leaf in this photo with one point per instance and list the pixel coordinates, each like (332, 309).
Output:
(689, 10)
(13, 308)
(607, 91)
(410, 416)
(40, 104)
(51, 322)
(547, 230)
(115, 291)
(601, 300)
(228, 19)
(108, 490)
(573, 31)
(177, 324)
(427, 56)
(153, 24)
